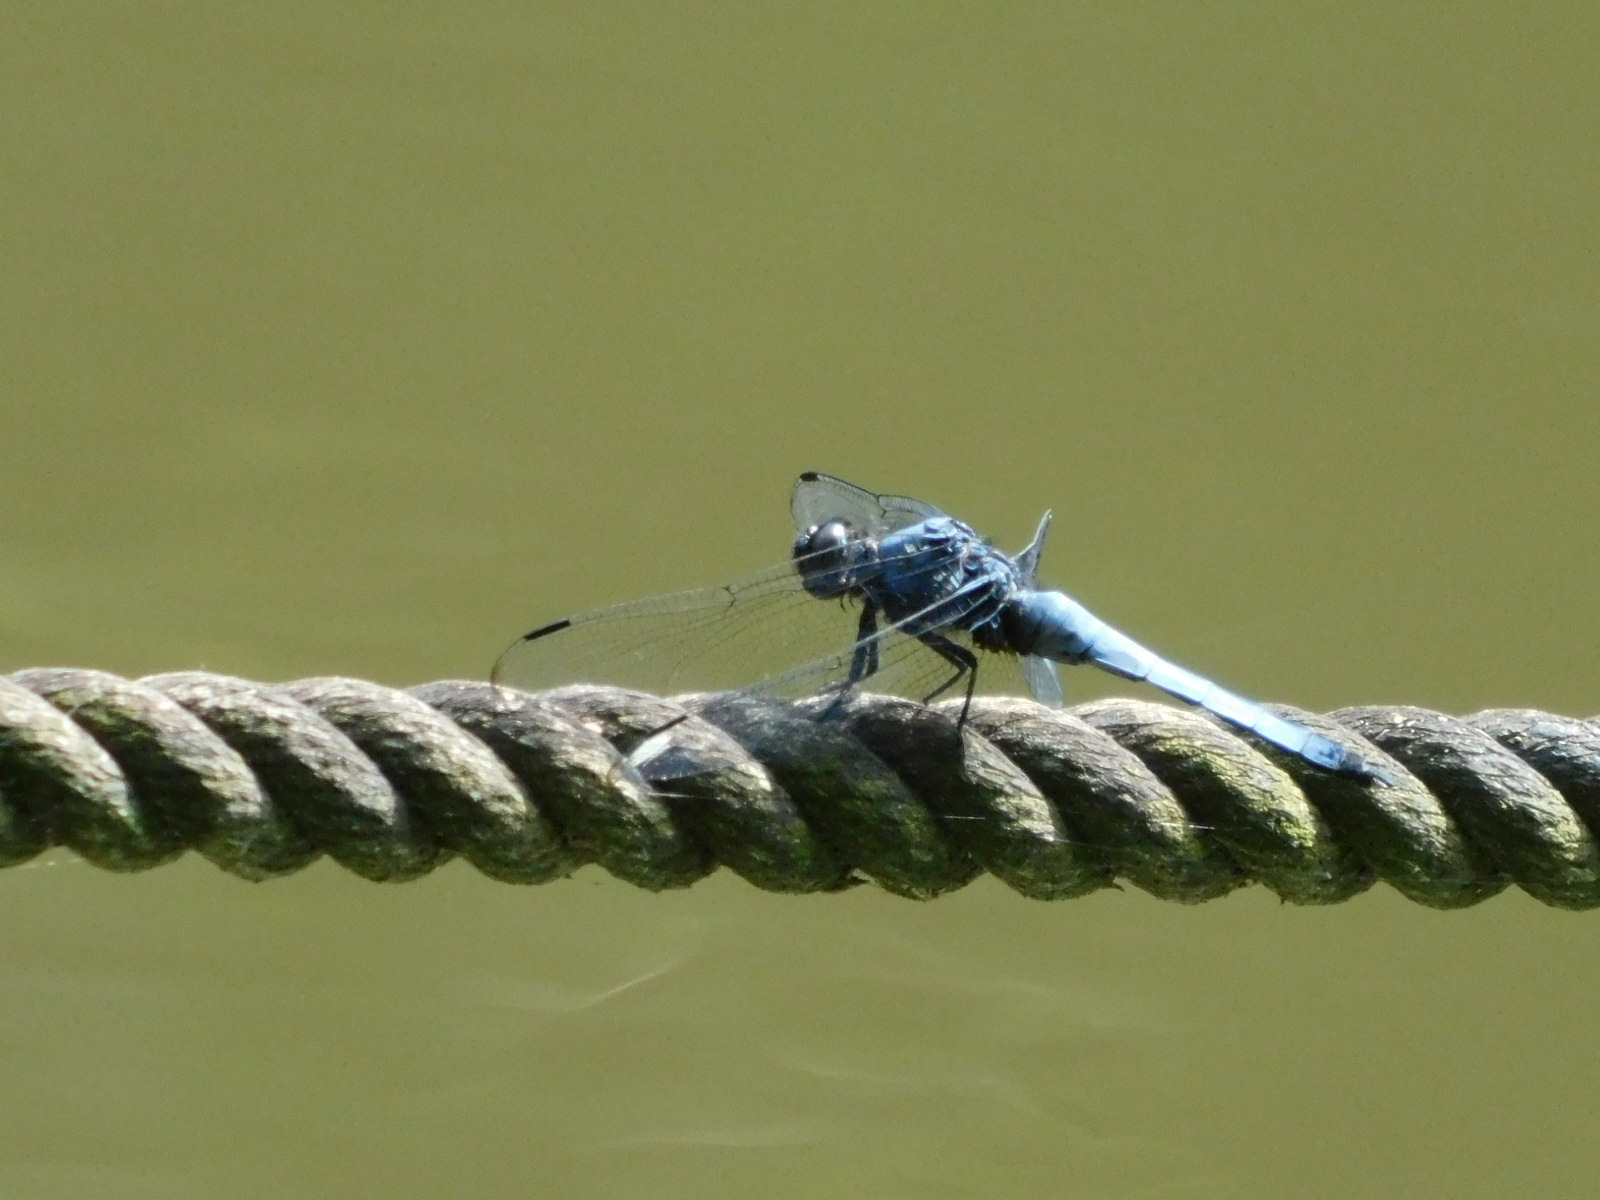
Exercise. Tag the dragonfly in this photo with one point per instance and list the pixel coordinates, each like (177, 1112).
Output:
(884, 588)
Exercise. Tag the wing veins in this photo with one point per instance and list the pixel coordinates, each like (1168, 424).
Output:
(668, 635)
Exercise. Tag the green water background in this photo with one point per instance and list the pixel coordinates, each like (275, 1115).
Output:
(356, 340)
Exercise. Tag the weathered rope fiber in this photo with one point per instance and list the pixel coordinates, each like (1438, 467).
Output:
(262, 780)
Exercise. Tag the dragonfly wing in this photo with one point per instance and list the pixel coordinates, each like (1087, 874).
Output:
(1028, 560)
(905, 665)
(1044, 682)
(820, 498)
(711, 638)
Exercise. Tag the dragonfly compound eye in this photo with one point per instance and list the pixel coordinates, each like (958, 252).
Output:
(827, 557)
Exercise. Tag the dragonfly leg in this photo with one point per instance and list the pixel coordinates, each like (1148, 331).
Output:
(863, 663)
(865, 660)
(965, 663)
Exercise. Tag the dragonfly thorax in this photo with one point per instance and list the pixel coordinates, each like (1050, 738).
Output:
(940, 573)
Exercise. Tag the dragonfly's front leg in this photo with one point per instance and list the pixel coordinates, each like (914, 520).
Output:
(864, 661)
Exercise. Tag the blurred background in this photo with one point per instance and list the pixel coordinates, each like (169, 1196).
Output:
(357, 339)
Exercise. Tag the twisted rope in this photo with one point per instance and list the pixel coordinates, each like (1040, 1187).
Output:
(263, 779)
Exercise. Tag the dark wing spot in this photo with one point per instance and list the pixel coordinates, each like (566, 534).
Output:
(553, 627)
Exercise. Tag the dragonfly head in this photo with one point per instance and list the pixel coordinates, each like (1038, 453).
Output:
(829, 558)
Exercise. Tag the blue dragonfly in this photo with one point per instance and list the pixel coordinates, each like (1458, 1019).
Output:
(883, 588)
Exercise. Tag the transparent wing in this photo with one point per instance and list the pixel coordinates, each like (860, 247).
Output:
(763, 632)
(708, 638)
(1027, 559)
(820, 498)
(1044, 682)
(904, 664)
